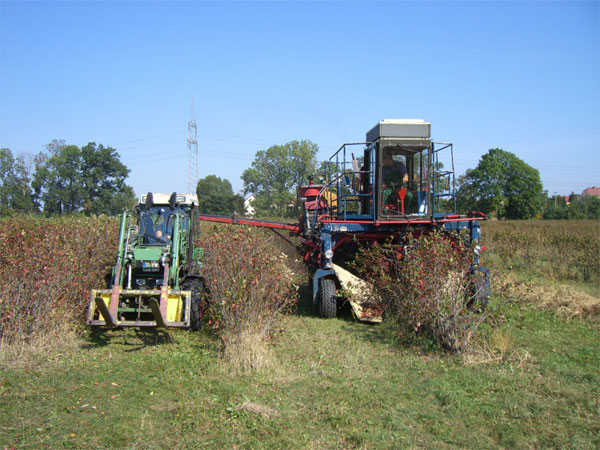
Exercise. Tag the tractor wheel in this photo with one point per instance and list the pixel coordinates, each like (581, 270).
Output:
(327, 298)
(198, 296)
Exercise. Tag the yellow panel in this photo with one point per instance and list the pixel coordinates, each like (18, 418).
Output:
(105, 297)
(175, 308)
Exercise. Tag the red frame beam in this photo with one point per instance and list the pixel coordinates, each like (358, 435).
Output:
(292, 228)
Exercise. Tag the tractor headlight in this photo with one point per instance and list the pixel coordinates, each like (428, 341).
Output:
(477, 250)
(140, 281)
(329, 254)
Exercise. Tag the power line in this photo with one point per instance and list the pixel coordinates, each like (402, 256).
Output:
(152, 144)
(149, 138)
(158, 157)
(241, 138)
(257, 140)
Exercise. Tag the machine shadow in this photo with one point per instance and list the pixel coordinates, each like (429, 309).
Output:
(306, 308)
(135, 339)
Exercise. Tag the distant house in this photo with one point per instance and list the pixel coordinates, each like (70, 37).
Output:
(593, 191)
(249, 209)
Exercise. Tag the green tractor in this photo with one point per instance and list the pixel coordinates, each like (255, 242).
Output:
(156, 280)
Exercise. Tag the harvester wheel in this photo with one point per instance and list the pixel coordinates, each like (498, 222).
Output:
(327, 298)
(480, 295)
(198, 295)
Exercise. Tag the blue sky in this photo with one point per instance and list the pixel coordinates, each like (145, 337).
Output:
(522, 76)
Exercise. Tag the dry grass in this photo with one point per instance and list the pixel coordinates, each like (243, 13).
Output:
(562, 299)
(496, 348)
(247, 351)
(264, 411)
(49, 347)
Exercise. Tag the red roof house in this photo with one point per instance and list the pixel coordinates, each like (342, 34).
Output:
(595, 191)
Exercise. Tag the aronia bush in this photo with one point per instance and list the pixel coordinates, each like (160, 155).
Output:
(425, 286)
(47, 268)
(249, 285)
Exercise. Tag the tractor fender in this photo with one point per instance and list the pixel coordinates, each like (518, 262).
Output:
(323, 273)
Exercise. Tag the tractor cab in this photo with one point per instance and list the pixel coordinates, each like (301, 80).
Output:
(156, 217)
(153, 225)
(156, 223)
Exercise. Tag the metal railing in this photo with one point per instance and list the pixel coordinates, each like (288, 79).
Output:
(437, 175)
(341, 176)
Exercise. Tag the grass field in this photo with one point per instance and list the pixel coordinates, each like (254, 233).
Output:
(335, 384)
(531, 381)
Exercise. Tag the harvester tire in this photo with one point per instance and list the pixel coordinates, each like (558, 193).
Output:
(198, 295)
(327, 298)
(482, 293)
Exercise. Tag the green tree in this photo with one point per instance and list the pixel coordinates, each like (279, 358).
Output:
(579, 207)
(583, 207)
(15, 192)
(215, 196)
(556, 208)
(502, 184)
(591, 206)
(89, 179)
(326, 169)
(103, 180)
(276, 172)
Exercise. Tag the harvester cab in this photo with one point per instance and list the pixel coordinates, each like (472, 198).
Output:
(398, 174)
(156, 280)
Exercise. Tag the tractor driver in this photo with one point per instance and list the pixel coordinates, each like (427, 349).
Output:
(394, 176)
(161, 234)
(160, 227)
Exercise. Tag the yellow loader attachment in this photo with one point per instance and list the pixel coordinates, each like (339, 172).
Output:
(139, 308)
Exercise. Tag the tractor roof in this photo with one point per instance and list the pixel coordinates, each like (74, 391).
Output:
(163, 199)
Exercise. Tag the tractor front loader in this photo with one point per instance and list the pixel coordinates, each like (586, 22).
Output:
(156, 280)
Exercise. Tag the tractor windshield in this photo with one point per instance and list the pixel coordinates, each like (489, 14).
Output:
(156, 224)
